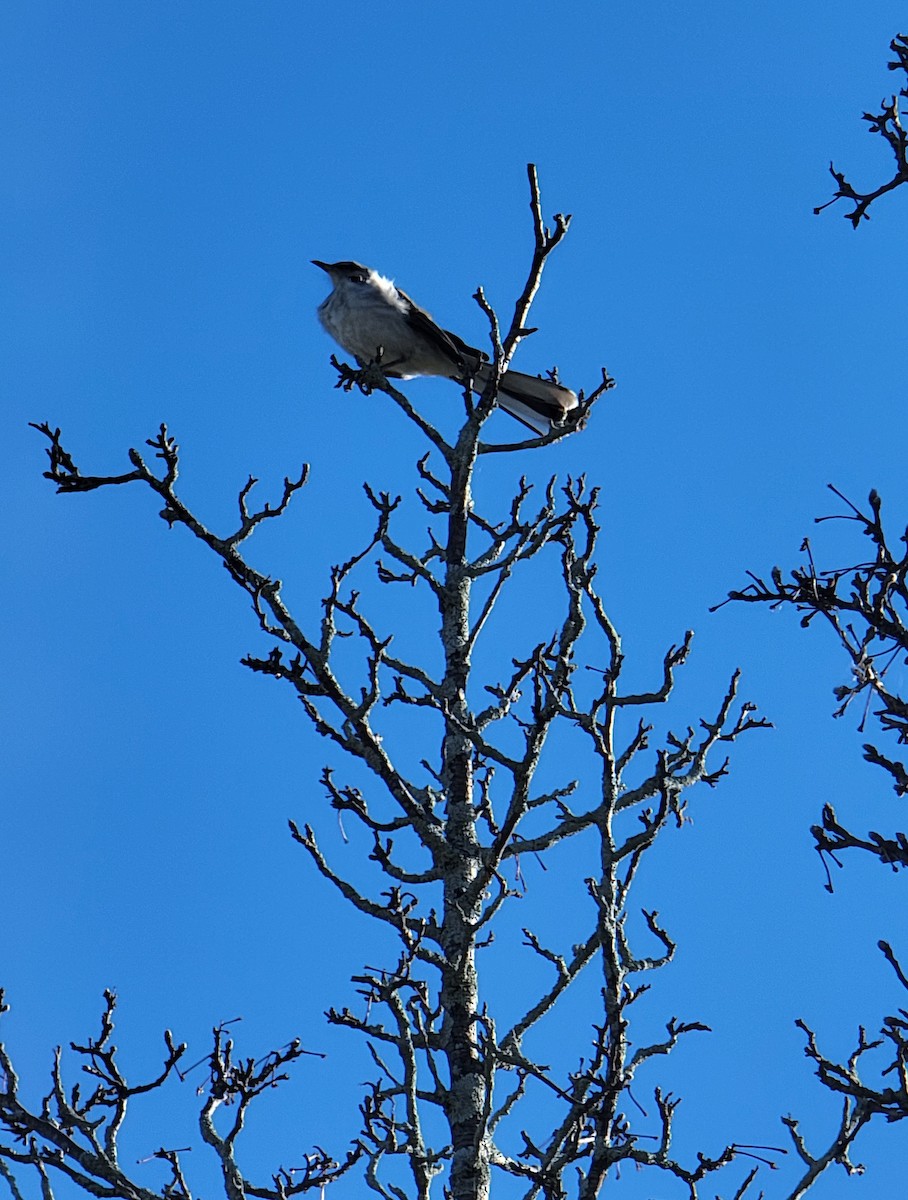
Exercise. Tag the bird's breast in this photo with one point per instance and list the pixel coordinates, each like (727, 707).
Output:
(363, 326)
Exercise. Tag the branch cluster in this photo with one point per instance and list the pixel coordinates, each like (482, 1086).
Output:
(75, 1132)
(887, 124)
(478, 841)
(866, 606)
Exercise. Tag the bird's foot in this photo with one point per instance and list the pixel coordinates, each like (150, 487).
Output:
(367, 376)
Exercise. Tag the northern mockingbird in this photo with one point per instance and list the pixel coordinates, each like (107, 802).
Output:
(367, 315)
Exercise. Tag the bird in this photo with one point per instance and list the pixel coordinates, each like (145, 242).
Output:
(374, 320)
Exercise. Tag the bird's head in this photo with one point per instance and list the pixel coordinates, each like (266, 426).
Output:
(339, 272)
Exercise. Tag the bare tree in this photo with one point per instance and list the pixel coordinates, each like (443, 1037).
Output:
(887, 123)
(865, 604)
(459, 1091)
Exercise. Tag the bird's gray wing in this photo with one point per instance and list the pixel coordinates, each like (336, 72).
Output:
(461, 354)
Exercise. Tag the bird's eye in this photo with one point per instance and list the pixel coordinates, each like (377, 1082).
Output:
(357, 277)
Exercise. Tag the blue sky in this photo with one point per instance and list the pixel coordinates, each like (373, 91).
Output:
(170, 171)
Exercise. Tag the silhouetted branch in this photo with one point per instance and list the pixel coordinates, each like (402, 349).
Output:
(866, 606)
(887, 124)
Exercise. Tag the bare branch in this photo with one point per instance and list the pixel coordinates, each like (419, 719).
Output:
(887, 124)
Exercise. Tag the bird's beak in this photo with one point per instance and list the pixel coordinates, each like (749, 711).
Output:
(324, 266)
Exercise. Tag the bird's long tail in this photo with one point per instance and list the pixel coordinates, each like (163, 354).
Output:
(536, 403)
